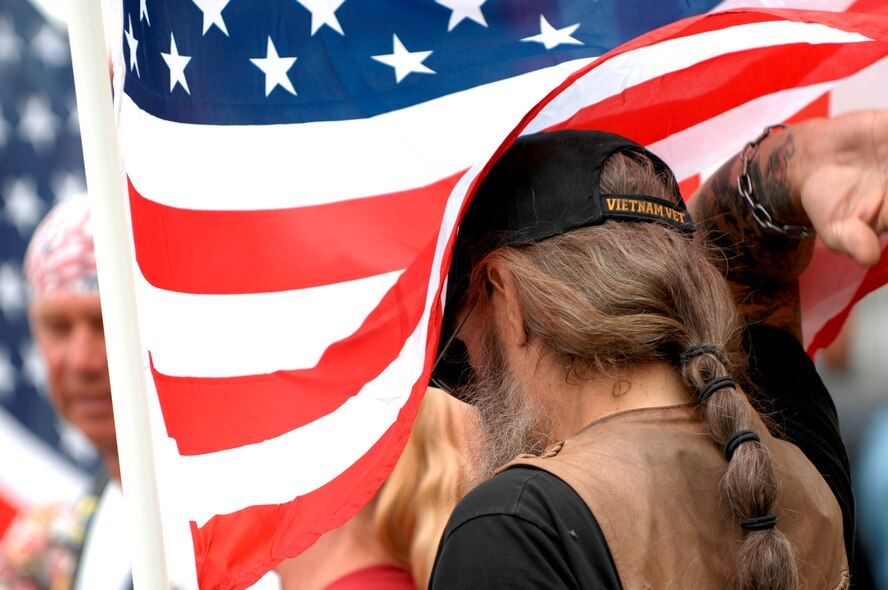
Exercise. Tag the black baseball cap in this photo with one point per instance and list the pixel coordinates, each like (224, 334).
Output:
(543, 185)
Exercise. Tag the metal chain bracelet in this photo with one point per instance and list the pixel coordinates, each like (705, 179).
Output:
(759, 213)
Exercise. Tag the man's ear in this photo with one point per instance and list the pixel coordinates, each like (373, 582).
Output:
(507, 308)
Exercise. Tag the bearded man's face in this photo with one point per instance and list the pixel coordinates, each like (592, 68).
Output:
(512, 419)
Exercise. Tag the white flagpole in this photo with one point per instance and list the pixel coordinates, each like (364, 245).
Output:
(92, 82)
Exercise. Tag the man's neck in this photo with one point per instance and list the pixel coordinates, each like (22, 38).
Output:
(578, 403)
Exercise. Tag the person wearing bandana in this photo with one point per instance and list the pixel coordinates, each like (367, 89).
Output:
(596, 334)
(83, 545)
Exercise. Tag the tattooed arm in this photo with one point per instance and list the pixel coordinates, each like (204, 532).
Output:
(829, 173)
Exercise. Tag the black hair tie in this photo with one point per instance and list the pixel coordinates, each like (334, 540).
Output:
(713, 386)
(692, 352)
(759, 523)
(737, 439)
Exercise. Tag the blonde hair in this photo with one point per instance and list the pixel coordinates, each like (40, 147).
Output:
(413, 505)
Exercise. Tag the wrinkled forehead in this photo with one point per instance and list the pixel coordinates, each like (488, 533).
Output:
(65, 307)
(61, 256)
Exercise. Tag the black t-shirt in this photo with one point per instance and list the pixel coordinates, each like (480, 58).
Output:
(525, 528)
(796, 400)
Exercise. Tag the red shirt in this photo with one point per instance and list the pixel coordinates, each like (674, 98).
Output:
(382, 577)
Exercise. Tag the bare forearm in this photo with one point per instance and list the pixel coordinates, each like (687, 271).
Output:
(762, 266)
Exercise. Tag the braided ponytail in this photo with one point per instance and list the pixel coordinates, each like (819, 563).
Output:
(765, 559)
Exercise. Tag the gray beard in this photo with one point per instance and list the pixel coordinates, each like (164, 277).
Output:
(511, 423)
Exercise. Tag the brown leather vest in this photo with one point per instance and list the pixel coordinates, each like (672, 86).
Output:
(651, 478)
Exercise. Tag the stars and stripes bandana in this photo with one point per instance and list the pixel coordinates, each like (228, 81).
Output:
(61, 256)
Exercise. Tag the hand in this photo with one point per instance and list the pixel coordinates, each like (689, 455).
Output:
(841, 175)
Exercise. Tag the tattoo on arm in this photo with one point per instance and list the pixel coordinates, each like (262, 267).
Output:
(763, 268)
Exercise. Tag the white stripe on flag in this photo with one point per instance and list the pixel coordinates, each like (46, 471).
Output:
(231, 335)
(827, 5)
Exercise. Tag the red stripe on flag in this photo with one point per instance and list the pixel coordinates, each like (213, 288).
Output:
(236, 411)
(870, 6)
(656, 109)
(874, 278)
(818, 108)
(689, 186)
(233, 550)
(7, 512)
(226, 252)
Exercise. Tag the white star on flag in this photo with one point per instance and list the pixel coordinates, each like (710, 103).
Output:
(463, 9)
(12, 290)
(9, 41)
(133, 45)
(73, 122)
(4, 130)
(551, 37)
(38, 124)
(143, 11)
(212, 14)
(33, 367)
(7, 374)
(323, 12)
(23, 206)
(405, 62)
(275, 69)
(176, 63)
(50, 47)
(66, 184)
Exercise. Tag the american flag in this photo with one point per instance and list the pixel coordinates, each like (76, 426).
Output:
(41, 459)
(295, 172)
(289, 166)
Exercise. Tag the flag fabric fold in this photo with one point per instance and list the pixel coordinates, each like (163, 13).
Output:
(295, 179)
